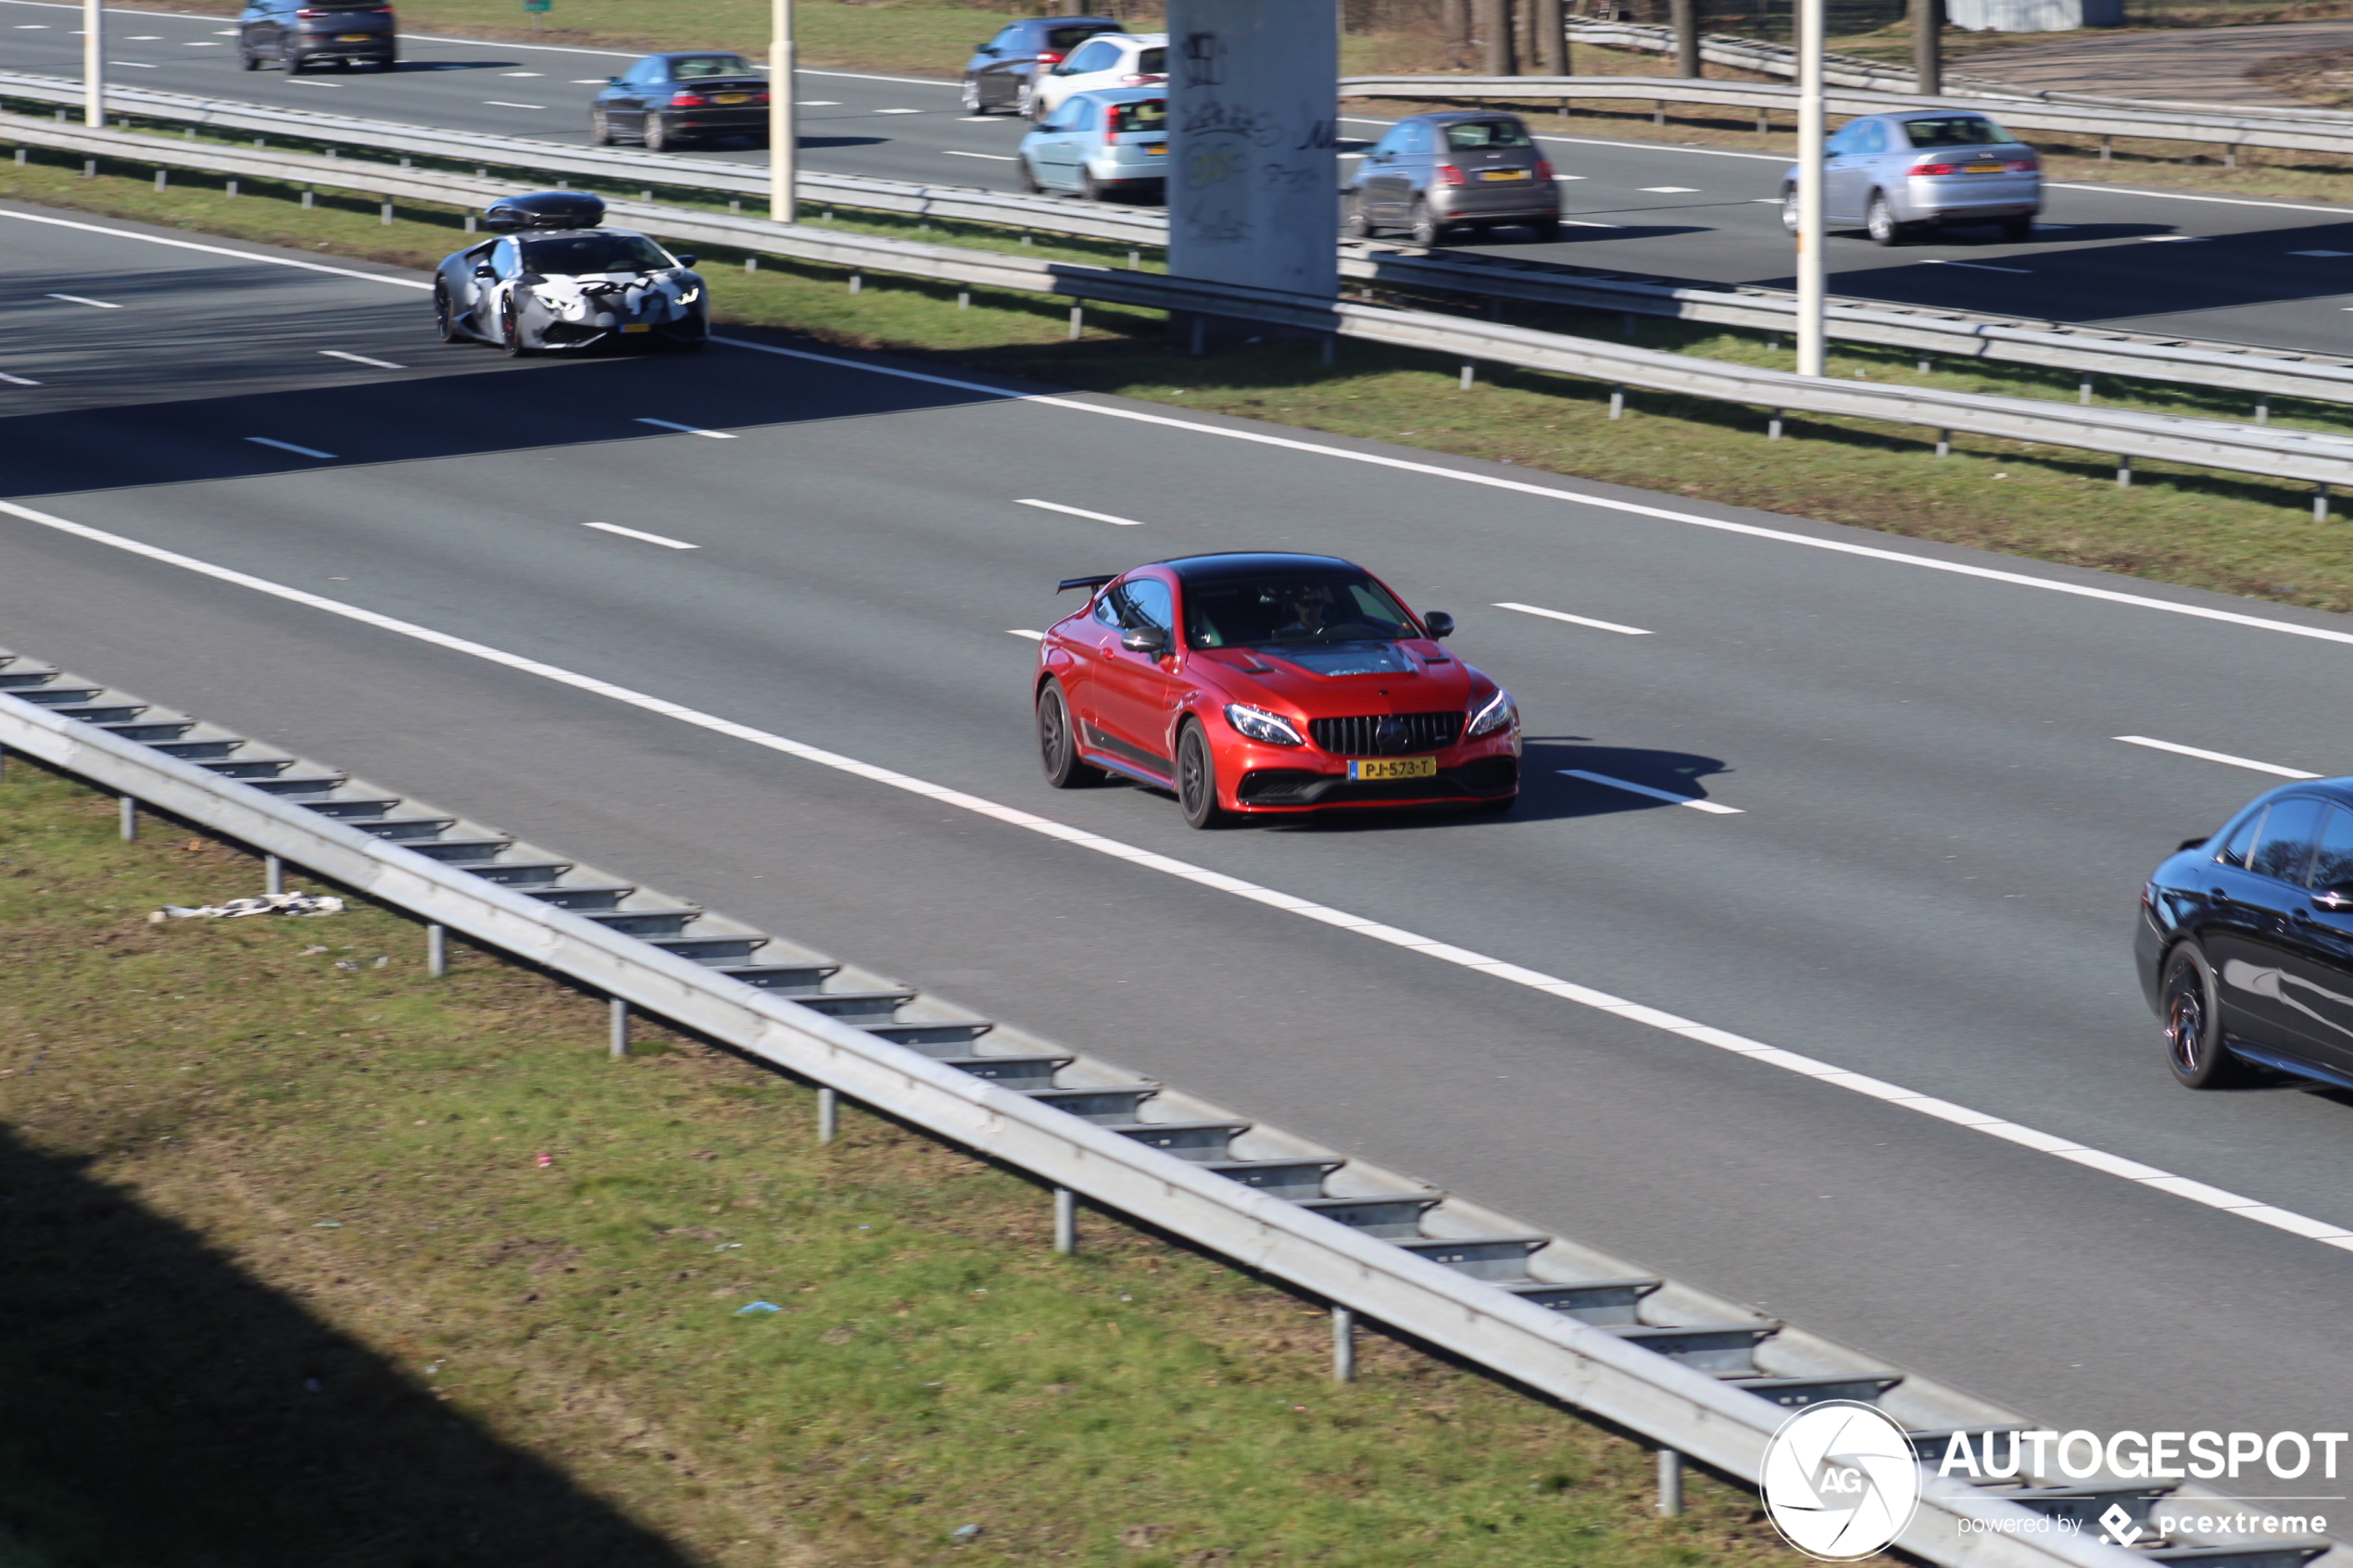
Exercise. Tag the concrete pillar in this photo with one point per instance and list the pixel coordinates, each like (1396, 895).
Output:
(1253, 121)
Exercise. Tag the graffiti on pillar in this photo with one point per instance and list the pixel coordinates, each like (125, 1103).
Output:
(1221, 140)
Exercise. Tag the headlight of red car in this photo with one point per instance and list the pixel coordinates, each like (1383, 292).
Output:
(1260, 725)
(1497, 712)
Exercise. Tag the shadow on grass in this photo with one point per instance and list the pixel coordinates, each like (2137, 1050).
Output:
(165, 1409)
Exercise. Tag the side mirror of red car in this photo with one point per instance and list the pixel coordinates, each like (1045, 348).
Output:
(1145, 639)
(1437, 624)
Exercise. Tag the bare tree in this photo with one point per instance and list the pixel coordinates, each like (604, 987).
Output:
(1454, 18)
(1497, 23)
(1686, 19)
(1551, 52)
(1928, 46)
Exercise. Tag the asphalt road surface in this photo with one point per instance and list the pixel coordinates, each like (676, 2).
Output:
(2260, 272)
(1928, 874)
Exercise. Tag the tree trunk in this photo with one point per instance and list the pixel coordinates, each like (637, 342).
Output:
(1551, 37)
(1686, 19)
(1497, 24)
(1454, 20)
(1928, 46)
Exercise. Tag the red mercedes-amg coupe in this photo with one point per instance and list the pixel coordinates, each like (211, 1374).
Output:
(1265, 684)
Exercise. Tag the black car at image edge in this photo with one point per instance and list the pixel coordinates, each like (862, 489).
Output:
(2244, 944)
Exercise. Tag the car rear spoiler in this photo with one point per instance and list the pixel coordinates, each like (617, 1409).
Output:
(1067, 583)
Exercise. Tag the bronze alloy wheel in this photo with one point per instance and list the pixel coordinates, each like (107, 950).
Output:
(1197, 779)
(2193, 1046)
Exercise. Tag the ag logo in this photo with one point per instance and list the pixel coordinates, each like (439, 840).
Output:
(1840, 1483)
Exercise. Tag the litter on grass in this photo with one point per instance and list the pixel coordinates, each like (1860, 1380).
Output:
(267, 904)
(758, 1306)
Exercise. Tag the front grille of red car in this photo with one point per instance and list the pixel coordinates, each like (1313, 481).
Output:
(1386, 735)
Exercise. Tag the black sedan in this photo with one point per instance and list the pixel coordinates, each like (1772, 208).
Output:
(557, 281)
(2245, 942)
(669, 100)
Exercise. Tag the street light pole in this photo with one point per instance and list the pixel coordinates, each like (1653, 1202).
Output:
(1810, 277)
(783, 130)
(93, 62)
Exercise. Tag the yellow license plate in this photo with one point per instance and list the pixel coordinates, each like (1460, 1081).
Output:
(1983, 168)
(351, 38)
(732, 98)
(1502, 174)
(1392, 768)
(1160, 151)
(637, 327)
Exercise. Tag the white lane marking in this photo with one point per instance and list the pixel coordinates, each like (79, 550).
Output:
(218, 250)
(869, 75)
(1581, 224)
(200, 43)
(688, 430)
(985, 118)
(1584, 995)
(144, 38)
(2321, 253)
(993, 158)
(136, 65)
(361, 359)
(1081, 511)
(2206, 756)
(1671, 190)
(17, 381)
(667, 543)
(1553, 492)
(1977, 266)
(306, 82)
(2172, 239)
(1558, 179)
(32, 27)
(502, 104)
(1024, 631)
(590, 82)
(511, 73)
(77, 299)
(1667, 795)
(898, 111)
(290, 446)
(1573, 620)
(821, 102)
(1375, 459)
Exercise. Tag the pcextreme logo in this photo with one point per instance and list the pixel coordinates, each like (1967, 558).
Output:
(1840, 1482)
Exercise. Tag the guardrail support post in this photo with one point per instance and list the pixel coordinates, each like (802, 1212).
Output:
(1926, 364)
(1616, 402)
(1200, 331)
(1135, 261)
(1658, 112)
(2230, 157)
(963, 299)
(828, 1115)
(472, 220)
(735, 203)
(857, 282)
(20, 156)
(130, 819)
(2123, 473)
(89, 169)
(1670, 1484)
(1773, 426)
(308, 193)
(233, 190)
(385, 217)
(3, 764)
(2084, 392)
(1764, 125)
(2108, 148)
(161, 180)
(436, 951)
(273, 874)
(620, 1012)
(1626, 323)
(1344, 1344)
(1470, 377)
(1065, 1221)
(2321, 503)
(1077, 321)
(751, 264)
(1944, 443)
(2263, 411)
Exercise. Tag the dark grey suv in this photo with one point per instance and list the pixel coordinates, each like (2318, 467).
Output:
(1462, 170)
(303, 33)
(1003, 71)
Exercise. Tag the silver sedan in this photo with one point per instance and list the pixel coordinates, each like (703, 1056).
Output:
(1898, 175)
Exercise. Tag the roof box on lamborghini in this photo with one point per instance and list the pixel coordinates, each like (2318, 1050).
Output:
(543, 209)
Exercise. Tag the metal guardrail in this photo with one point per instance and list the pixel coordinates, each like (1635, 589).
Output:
(2200, 123)
(1962, 334)
(2322, 459)
(1049, 214)
(1559, 1318)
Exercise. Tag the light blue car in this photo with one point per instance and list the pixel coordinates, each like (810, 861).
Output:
(1112, 139)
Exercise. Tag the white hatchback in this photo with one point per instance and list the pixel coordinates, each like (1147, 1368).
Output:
(1108, 59)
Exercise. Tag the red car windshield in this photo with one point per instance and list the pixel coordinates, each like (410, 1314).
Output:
(1292, 609)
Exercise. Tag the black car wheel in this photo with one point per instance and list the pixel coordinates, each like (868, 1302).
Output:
(1088, 186)
(599, 127)
(443, 317)
(1353, 221)
(658, 136)
(1423, 227)
(1029, 178)
(1545, 230)
(2018, 231)
(247, 59)
(295, 65)
(510, 331)
(1058, 743)
(2193, 1046)
(1197, 779)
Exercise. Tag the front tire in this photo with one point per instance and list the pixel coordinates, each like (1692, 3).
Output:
(1423, 227)
(599, 129)
(1058, 742)
(510, 332)
(1197, 779)
(1789, 208)
(2193, 1046)
(247, 59)
(294, 64)
(1353, 221)
(443, 318)
(1029, 180)
(659, 137)
(1881, 221)
(1088, 186)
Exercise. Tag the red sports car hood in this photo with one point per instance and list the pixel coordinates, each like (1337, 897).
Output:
(1338, 680)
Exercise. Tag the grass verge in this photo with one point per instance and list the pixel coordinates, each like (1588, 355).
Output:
(314, 1259)
(2240, 534)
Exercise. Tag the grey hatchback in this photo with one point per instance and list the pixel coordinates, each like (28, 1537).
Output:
(1440, 171)
(1903, 174)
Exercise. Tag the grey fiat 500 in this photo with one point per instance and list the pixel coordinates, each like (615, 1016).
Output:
(1898, 175)
(1440, 171)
